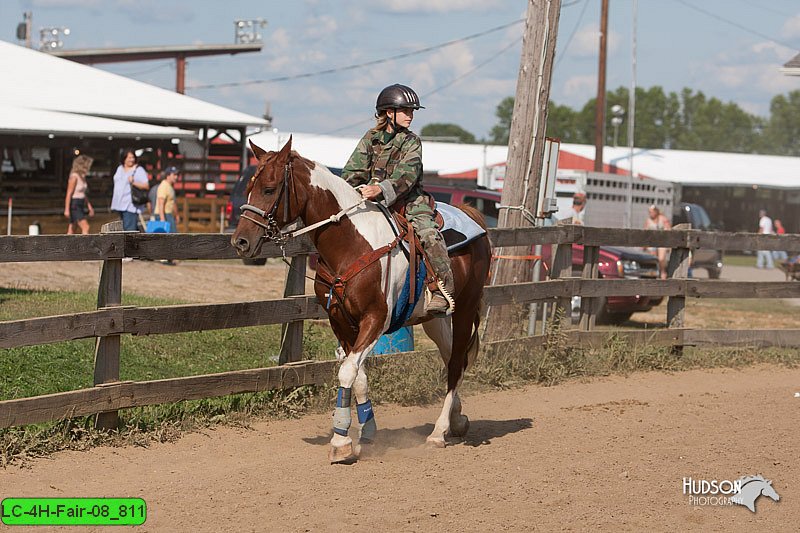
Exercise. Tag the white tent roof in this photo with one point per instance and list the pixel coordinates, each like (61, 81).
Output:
(701, 168)
(680, 166)
(36, 80)
(444, 158)
(32, 121)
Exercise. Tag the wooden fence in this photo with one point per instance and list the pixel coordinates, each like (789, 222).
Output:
(111, 319)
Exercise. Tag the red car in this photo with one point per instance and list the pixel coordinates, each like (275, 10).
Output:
(615, 262)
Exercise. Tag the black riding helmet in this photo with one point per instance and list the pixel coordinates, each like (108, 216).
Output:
(397, 97)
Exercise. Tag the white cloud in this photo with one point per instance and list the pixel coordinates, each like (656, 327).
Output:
(586, 42)
(66, 3)
(791, 28)
(321, 27)
(581, 87)
(438, 6)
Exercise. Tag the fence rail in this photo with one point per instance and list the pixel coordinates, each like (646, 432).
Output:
(111, 319)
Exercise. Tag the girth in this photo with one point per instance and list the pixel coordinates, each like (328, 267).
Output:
(337, 283)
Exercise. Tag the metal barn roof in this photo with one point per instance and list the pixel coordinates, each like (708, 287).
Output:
(681, 166)
(36, 80)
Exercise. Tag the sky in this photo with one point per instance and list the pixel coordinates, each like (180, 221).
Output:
(729, 49)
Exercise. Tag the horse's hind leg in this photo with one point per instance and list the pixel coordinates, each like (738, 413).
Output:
(464, 343)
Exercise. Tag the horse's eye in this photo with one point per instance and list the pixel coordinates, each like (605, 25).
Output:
(268, 191)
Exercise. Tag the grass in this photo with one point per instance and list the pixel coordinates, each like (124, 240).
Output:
(414, 379)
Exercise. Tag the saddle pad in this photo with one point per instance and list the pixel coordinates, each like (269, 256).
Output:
(458, 229)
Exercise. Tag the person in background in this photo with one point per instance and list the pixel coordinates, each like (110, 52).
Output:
(129, 174)
(152, 195)
(765, 227)
(779, 255)
(578, 213)
(165, 200)
(76, 204)
(658, 221)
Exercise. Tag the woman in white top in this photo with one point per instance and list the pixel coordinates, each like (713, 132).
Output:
(76, 205)
(129, 174)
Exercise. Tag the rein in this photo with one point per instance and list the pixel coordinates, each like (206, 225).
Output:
(273, 232)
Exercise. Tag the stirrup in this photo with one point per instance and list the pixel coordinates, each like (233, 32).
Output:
(451, 304)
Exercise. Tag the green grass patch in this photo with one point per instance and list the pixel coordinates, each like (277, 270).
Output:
(408, 379)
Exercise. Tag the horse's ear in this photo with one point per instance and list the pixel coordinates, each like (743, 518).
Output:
(259, 153)
(287, 148)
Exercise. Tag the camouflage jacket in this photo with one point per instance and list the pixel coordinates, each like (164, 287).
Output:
(394, 163)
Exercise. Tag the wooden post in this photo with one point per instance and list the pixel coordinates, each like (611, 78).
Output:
(589, 305)
(562, 269)
(107, 349)
(600, 103)
(292, 333)
(525, 153)
(676, 305)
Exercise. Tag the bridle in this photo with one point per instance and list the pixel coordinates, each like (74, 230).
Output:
(272, 231)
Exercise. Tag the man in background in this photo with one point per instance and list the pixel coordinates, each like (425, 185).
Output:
(764, 258)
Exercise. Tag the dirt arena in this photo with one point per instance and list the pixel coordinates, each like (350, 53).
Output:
(608, 454)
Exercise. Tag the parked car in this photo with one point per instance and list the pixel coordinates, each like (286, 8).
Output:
(708, 259)
(614, 262)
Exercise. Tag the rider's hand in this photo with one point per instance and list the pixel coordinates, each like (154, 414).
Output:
(370, 192)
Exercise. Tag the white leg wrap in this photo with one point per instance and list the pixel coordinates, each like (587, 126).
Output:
(341, 420)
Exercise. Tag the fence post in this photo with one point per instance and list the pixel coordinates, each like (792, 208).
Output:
(678, 268)
(562, 269)
(292, 333)
(591, 257)
(107, 349)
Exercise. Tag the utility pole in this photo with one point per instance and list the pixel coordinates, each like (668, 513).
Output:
(600, 107)
(525, 155)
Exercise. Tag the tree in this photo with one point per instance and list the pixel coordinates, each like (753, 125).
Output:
(499, 133)
(782, 131)
(448, 132)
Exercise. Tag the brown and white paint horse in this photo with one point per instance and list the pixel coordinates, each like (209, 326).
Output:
(287, 187)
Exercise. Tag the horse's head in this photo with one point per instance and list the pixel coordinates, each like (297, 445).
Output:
(272, 201)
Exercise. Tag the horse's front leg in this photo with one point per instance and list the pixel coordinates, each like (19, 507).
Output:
(351, 374)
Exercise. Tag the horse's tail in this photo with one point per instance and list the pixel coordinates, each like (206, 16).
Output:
(474, 214)
(474, 343)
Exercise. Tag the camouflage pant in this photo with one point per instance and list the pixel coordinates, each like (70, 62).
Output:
(420, 215)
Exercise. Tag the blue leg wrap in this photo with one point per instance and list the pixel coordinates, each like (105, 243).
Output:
(343, 397)
(364, 411)
(341, 421)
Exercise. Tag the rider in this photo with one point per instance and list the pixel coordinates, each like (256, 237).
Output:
(387, 163)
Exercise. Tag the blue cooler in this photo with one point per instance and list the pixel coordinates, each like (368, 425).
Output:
(401, 340)
(157, 226)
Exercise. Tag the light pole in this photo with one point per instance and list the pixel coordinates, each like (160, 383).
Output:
(618, 111)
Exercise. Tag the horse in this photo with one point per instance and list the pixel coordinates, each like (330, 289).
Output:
(349, 231)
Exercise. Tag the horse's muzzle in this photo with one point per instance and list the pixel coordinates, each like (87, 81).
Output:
(242, 245)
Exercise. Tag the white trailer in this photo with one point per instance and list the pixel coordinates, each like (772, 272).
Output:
(607, 197)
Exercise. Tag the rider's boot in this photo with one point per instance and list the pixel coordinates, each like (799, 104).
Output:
(440, 302)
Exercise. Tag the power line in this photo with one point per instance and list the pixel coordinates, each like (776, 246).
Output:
(441, 87)
(736, 24)
(767, 8)
(357, 65)
(574, 31)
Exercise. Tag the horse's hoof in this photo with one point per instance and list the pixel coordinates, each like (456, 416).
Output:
(459, 426)
(343, 455)
(436, 442)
